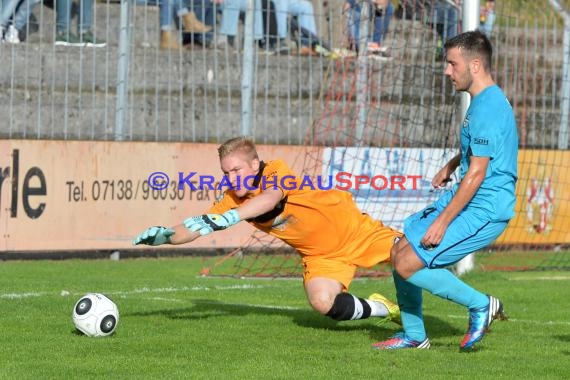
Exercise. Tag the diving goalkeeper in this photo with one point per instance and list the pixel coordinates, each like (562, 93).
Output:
(326, 227)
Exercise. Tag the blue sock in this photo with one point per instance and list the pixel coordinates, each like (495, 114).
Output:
(410, 302)
(444, 284)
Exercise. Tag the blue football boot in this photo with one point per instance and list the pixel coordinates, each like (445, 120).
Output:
(479, 322)
(400, 340)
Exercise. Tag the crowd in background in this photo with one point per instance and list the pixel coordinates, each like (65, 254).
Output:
(279, 26)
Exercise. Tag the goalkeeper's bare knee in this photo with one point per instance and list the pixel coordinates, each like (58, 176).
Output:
(321, 303)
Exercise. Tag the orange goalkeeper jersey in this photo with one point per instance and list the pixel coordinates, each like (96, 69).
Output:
(319, 223)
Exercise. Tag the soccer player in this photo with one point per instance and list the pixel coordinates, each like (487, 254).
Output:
(326, 227)
(468, 217)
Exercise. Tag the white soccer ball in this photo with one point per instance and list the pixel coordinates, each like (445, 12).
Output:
(95, 315)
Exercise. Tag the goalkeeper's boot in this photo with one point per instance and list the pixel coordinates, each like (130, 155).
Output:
(400, 340)
(393, 309)
(479, 321)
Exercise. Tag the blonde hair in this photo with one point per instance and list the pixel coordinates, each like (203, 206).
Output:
(238, 144)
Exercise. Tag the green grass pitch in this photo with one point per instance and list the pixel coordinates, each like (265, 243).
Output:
(175, 324)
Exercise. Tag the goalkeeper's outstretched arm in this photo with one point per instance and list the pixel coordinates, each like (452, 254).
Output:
(202, 225)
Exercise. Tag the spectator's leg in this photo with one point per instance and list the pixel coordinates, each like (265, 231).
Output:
(23, 13)
(305, 13)
(230, 17)
(452, 27)
(85, 24)
(438, 19)
(204, 11)
(281, 16)
(257, 21)
(85, 20)
(168, 35)
(166, 14)
(382, 24)
(489, 24)
(7, 9)
(189, 20)
(353, 24)
(63, 14)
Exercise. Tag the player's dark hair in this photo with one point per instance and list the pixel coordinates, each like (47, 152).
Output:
(240, 144)
(473, 44)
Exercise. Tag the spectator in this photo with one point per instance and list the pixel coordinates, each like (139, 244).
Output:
(305, 14)
(487, 17)
(445, 20)
(231, 10)
(381, 14)
(7, 9)
(167, 9)
(416, 10)
(19, 20)
(85, 36)
(205, 12)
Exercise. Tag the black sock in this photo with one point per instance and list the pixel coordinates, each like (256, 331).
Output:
(348, 307)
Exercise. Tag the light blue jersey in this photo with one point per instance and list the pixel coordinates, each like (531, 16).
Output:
(488, 130)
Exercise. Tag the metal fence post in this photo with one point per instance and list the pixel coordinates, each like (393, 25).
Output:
(565, 88)
(362, 87)
(122, 70)
(470, 22)
(247, 74)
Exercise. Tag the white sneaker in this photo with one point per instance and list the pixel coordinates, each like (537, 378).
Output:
(12, 36)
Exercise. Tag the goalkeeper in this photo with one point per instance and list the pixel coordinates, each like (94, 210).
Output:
(326, 227)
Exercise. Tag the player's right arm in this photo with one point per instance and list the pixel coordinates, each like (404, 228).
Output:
(443, 176)
(204, 224)
(225, 213)
(180, 233)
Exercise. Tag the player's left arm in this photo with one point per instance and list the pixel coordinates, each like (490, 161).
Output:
(465, 192)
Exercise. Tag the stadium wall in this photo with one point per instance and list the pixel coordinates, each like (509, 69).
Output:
(89, 195)
(60, 106)
(54, 92)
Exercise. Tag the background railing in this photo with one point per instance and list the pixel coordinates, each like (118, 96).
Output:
(194, 93)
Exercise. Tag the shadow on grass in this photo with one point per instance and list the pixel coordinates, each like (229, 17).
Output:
(563, 338)
(203, 309)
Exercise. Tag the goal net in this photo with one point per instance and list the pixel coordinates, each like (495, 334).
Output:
(398, 116)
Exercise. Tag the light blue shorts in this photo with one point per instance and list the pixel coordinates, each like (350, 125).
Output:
(466, 234)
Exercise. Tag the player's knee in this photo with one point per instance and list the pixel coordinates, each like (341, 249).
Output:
(393, 253)
(406, 264)
(399, 264)
(321, 302)
(396, 257)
